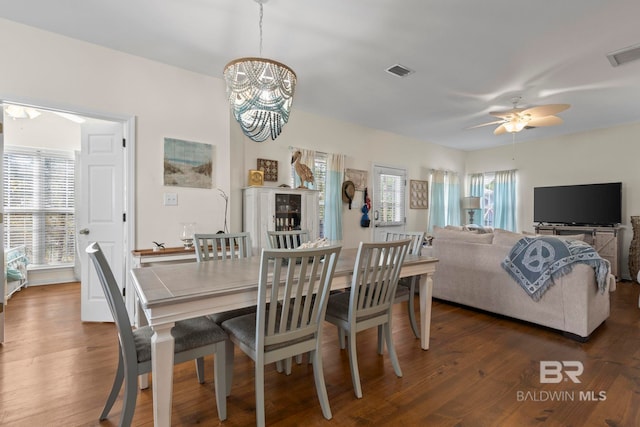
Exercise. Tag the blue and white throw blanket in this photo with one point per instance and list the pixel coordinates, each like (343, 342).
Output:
(534, 262)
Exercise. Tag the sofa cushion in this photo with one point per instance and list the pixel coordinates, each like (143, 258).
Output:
(462, 236)
(505, 237)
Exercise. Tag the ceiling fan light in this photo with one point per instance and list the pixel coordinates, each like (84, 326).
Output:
(515, 125)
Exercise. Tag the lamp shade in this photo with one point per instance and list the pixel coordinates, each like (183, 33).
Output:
(471, 202)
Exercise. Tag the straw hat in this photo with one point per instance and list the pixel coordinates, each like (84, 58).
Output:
(348, 191)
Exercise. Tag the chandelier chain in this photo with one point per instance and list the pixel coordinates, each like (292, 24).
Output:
(260, 25)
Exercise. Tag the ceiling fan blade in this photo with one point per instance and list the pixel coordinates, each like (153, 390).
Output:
(546, 110)
(545, 121)
(506, 114)
(500, 130)
(486, 124)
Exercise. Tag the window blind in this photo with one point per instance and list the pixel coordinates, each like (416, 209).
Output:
(39, 208)
(391, 197)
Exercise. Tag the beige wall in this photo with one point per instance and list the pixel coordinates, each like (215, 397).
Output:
(605, 155)
(362, 147)
(54, 71)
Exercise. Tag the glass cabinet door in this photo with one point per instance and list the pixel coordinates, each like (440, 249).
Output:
(288, 211)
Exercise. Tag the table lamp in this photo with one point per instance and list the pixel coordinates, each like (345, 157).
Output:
(470, 204)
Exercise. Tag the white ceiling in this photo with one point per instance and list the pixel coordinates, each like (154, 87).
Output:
(470, 57)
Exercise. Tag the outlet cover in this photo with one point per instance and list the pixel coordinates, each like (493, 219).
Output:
(170, 199)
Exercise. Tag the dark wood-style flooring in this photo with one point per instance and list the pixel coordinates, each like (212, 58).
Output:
(481, 370)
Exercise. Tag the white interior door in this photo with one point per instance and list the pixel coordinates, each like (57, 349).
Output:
(100, 213)
(388, 209)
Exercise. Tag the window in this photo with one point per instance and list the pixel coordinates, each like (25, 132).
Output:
(319, 183)
(389, 196)
(39, 204)
(497, 192)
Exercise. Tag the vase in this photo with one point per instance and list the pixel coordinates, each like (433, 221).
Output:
(634, 248)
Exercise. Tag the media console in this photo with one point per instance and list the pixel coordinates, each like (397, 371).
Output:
(606, 240)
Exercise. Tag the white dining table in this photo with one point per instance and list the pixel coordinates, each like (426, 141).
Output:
(172, 292)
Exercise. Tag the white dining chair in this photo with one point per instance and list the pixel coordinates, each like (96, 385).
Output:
(288, 239)
(299, 280)
(407, 285)
(369, 300)
(194, 339)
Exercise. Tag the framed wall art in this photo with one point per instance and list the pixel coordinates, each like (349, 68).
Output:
(358, 177)
(270, 169)
(418, 194)
(188, 164)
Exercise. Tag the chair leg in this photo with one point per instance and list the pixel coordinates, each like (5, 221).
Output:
(130, 397)
(380, 340)
(341, 335)
(229, 356)
(321, 388)
(353, 363)
(411, 308)
(392, 349)
(115, 389)
(260, 416)
(220, 379)
(200, 369)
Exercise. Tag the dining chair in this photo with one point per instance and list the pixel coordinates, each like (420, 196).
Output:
(224, 247)
(407, 285)
(300, 281)
(194, 339)
(369, 300)
(288, 239)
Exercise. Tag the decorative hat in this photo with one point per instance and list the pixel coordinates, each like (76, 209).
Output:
(348, 192)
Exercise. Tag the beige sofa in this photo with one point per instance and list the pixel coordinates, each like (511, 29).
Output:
(470, 273)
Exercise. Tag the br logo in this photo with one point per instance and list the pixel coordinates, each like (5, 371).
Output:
(553, 371)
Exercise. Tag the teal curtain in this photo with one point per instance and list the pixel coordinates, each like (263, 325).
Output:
(476, 189)
(454, 198)
(437, 213)
(505, 200)
(333, 197)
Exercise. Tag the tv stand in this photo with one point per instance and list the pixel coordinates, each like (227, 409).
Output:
(606, 240)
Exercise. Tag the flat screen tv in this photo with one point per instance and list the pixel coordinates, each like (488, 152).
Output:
(589, 204)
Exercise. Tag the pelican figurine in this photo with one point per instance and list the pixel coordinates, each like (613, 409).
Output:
(302, 170)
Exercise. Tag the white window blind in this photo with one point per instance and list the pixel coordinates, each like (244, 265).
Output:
(38, 190)
(319, 183)
(391, 197)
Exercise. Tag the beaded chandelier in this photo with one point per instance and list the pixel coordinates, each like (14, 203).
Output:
(260, 93)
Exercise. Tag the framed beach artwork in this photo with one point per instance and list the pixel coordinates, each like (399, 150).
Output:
(358, 177)
(188, 164)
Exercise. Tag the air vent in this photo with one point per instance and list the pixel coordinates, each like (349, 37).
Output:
(399, 70)
(625, 55)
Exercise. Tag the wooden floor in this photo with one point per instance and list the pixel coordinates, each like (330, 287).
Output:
(481, 370)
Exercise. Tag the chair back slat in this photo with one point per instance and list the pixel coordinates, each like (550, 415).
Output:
(299, 280)
(289, 239)
(375, 278)
(417, 238)
(222, 246)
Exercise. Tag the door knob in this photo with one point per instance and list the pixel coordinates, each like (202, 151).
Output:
(84, 231)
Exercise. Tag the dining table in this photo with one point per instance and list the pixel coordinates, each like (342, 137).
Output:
(167, 293)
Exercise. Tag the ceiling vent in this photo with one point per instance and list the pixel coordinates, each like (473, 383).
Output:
(625, 55)
(399, 70)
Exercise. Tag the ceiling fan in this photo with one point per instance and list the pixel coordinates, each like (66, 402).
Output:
(517, 119)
